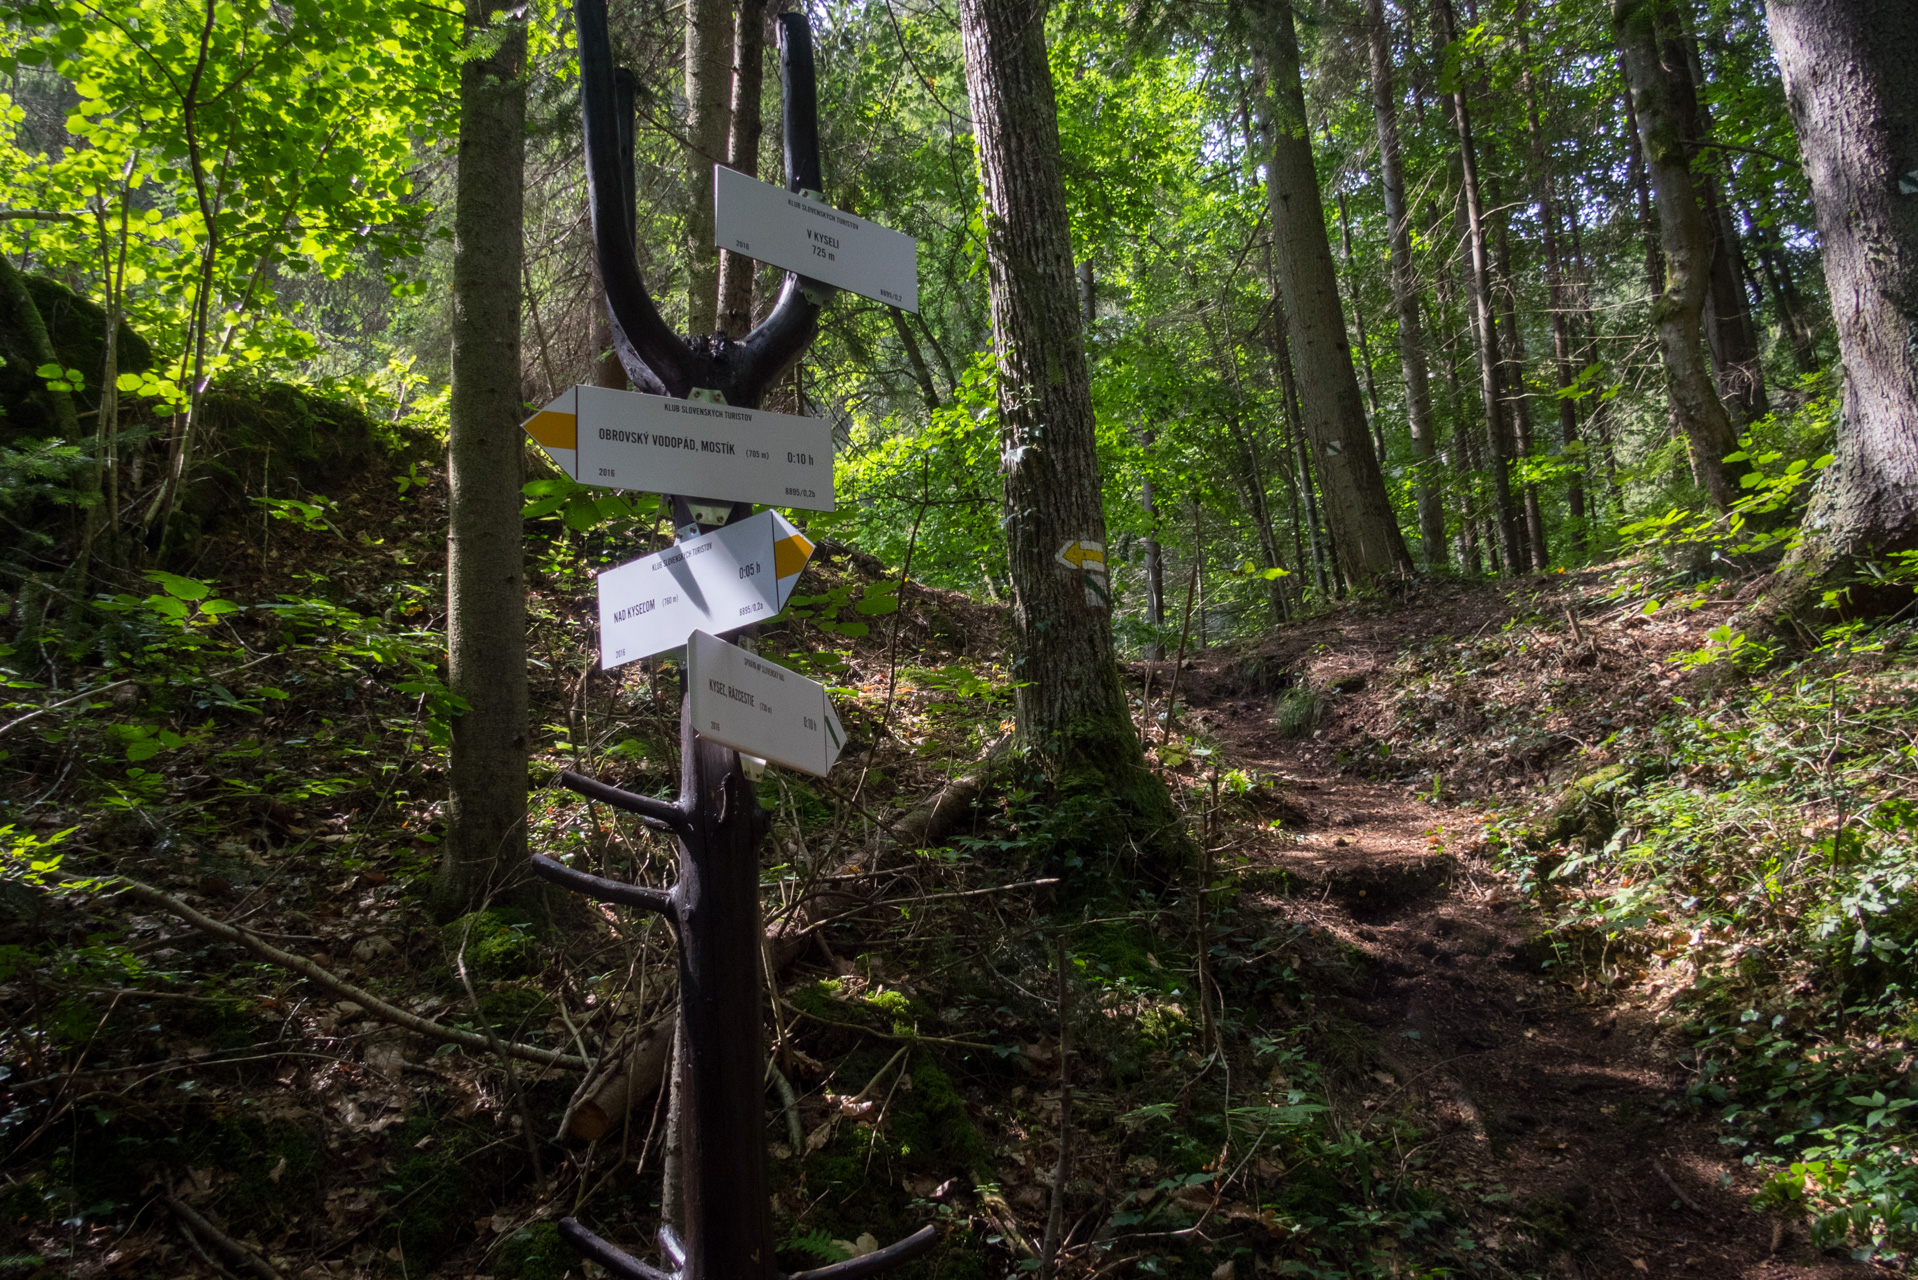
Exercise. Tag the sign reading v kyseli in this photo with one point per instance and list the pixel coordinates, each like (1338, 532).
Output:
(630, 440)
(814, 239)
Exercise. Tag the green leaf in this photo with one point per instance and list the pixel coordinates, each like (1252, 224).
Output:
(175, 585)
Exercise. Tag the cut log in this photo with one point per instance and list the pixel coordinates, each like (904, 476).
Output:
(624, 1087)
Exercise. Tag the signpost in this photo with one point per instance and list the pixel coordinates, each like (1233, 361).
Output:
(753, 705)
(707, 436)
(719, 581)
(627, 440)
(814, 239)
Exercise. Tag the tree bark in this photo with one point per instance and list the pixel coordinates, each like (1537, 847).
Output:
(709, 49)
(736, 270)
(1154, 555)
(1519, 396)
(1730, 332)
(1363, 526)
(485, 570)
(1677, 311)
(1405, 295)
(1070, 706)
(1850, 69)
(1484, 325)
(1556, 292)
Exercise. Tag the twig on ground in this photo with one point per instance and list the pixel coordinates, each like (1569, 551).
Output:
(248, 1259)
(886, 1035)
(1666, 1178)
(373, 1005)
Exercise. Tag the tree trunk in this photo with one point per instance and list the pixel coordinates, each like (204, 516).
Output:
(1484, 326)
(1071, 709)
(1677, 311)
(1785, 297)
(1556, 291)
(1154, 555)
(485, 570)
(1635, 178)
(709, 58)
(1851, 78)
(1405, 295)
(1730, 332)
(1518, 396)
(1363, 526)
(736, 270)
(1358, 325)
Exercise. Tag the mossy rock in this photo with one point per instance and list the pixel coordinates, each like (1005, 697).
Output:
(500, 943)
(1586, 811)
(76, 326)
(535, 1252)
(439, 1184)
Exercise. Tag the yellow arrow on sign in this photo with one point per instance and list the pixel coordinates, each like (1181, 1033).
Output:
(1090, 556)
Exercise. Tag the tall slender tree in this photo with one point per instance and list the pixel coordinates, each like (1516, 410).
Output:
(1405, 294)
(1484, 324)
(736, 270)
(485, 559)
(1677, 312)
(1363, 526)
(1851, 79)
(709, 84)
(1558, 296)
(1071, 709)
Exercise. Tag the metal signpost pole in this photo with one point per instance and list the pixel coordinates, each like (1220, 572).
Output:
(725, 1231)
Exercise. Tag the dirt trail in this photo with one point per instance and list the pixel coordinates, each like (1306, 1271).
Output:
(1557, 1112)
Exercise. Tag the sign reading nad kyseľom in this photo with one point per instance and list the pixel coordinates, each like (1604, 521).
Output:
(761, 708)
(719, 581)
(630, 440)
(814, 239)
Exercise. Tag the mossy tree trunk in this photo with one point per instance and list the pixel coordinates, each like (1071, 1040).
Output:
(1851, 79)
(485, 558)
(1071, 708)
(736, 270)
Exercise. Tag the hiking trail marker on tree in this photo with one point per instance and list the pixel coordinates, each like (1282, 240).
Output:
(629, 440)
(800, 233)
(716, 1221)
(720, 581)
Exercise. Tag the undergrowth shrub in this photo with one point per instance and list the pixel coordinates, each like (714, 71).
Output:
(1760, 880)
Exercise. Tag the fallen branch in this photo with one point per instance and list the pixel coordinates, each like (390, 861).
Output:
(373, 1005)
(197, 1225)
(11, 725)
(1677, 1190)
(915, 1038)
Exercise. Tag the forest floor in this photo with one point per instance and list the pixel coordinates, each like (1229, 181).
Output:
(1548, 1096)
(1412, 1072)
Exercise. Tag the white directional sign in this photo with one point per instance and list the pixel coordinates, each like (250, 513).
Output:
(629, 440)
(761, 708)
(718, 581)
(775, 225)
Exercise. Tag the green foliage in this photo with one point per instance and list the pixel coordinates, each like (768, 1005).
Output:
(1762, 865)
(498, 943)
(535, 1252)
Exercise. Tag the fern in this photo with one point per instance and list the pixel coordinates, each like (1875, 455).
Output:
(819, 1244)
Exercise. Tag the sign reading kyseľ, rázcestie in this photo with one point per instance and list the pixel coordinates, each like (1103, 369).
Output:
(759, 707)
